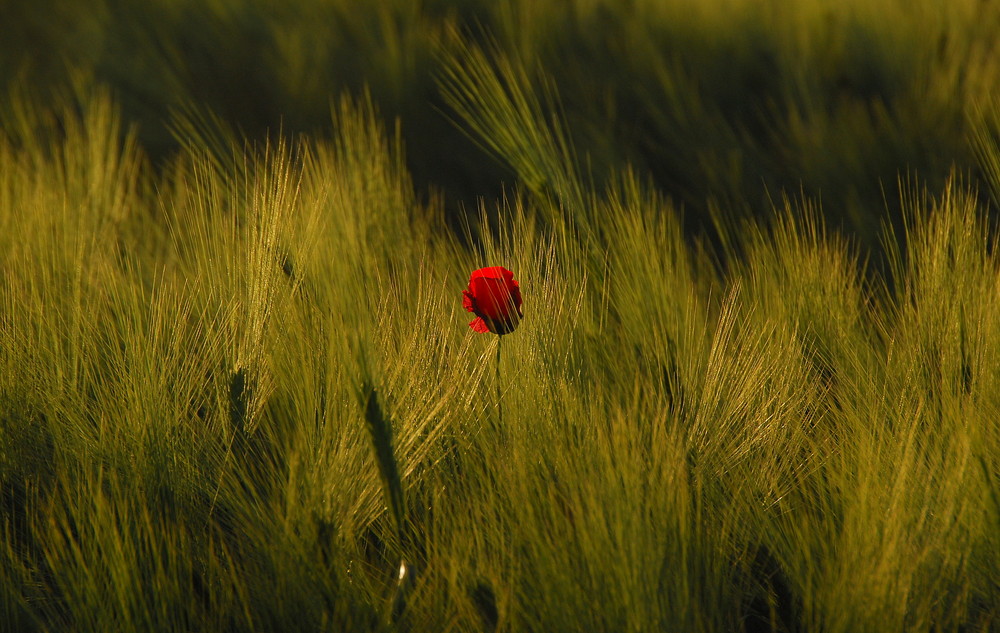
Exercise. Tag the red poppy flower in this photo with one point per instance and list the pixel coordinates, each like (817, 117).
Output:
(495, 297)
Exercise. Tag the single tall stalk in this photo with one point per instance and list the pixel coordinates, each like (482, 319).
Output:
(499, 390)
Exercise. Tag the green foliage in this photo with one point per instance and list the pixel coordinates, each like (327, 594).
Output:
(723, 103)
(237, 388)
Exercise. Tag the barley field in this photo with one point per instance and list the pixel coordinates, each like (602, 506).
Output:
(756, 386)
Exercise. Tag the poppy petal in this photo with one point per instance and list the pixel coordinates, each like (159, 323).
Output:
(479, 325)
(493, 299)
(490, 272)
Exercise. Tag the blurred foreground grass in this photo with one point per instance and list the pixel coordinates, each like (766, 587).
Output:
(237, 389)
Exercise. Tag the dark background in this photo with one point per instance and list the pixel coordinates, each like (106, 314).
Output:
(726, 109)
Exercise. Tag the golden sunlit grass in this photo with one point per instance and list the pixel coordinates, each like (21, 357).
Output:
(239, 391)
(189, 363)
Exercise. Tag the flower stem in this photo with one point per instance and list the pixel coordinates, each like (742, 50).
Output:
(499, 390)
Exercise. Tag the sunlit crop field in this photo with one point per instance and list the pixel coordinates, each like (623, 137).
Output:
(239, 390)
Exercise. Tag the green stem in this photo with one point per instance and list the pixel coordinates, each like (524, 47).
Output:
(499, 390)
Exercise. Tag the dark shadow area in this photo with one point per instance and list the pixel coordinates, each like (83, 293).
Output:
(725, 114)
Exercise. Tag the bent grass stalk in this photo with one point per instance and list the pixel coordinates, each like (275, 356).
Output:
(380, 431)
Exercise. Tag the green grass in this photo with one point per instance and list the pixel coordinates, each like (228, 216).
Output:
(725, 103)
(238, 390)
